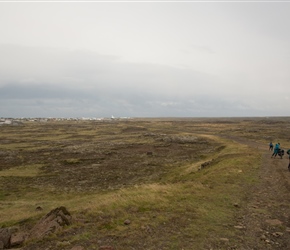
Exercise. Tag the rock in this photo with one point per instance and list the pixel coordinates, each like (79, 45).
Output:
(274, 222)
(236, 205)
(38, 208)
(205, 164)
(263, 237)
(127, 222)
(17, 239)
(5, 235)
(224, 239)
(50, 223)
(78, 248)
(277, 234)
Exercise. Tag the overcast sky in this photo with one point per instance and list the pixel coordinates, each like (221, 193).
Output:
(144, 59)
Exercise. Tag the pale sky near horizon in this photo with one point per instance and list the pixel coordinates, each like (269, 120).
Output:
(144, 58)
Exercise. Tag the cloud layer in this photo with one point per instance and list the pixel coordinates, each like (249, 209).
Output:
(144, 59)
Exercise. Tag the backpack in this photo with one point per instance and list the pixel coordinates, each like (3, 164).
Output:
(288, 151)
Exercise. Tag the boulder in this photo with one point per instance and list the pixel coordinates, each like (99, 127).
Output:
(17, 239)
(51, 223)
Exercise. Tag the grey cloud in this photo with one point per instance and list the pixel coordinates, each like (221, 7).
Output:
(64, 83)
(125, 105)
(20, 91)
(85, 70)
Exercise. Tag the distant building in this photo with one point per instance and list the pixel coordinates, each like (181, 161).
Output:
(10, 122)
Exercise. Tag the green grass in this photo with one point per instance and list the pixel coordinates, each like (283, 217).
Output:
(22, 171)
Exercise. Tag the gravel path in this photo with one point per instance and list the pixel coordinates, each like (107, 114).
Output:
(266, 219)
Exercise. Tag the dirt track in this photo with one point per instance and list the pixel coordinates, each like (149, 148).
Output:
(266, 220)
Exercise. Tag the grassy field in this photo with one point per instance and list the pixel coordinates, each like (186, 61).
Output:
(145, 171)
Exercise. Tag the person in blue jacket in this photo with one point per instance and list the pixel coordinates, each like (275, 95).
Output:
(276, 150)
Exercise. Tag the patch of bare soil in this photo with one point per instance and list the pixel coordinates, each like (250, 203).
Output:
(96, 158)
(265, 223)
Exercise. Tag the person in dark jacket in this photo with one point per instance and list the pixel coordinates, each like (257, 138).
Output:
(271, 146)
(288, 152)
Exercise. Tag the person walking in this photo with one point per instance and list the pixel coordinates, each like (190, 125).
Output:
(276, 150)
(288, 152)
(271, 146)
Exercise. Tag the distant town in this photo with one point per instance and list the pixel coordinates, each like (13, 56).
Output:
(20, 121)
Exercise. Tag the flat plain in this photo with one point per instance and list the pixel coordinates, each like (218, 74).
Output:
(149, 183)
